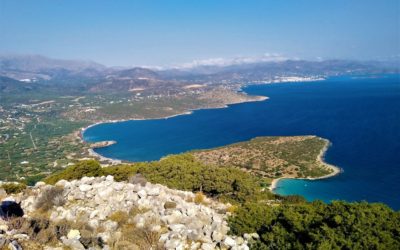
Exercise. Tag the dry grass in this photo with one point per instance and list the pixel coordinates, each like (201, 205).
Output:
(199, 198)
(51, 196)
(120, 217)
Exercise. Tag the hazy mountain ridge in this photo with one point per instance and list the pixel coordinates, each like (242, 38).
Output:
(94, 77)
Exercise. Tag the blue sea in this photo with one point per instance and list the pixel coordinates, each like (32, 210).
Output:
(359, 115)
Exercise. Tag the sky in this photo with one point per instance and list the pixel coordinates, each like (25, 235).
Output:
(180, 32)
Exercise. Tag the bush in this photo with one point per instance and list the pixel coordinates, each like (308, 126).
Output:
(199, 198)
(316, 225)
(51, 196)
(77, 171)
(13, 188)
(181, 172)
(120, 217)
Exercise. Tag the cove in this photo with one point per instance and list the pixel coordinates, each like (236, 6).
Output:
(359, 115)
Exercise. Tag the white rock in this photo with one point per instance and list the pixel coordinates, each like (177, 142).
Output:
(119, 186)
(142, 194)
(155, 228)
(110, 178)
(72, 243)
(106, 193)
(177, 227)
(207, 246)
(229, 242)
(174, 244)
(153, 191)
(85, 187)
(74, 234)
(3, 227)
(217, 236)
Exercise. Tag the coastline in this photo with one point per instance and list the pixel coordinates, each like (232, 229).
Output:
(320, 158)
(256, 98)
(188, 112)
(112, 161)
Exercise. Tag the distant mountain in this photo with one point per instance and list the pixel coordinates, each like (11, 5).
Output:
(9, 85)
(80, 76)
(267, 70)
(36, 66)
(137, 73)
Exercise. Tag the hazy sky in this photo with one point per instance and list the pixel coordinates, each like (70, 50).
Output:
(161, 32)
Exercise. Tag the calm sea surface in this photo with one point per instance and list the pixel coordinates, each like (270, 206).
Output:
(359, 115)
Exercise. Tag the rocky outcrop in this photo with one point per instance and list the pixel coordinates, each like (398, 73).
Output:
(108, 208)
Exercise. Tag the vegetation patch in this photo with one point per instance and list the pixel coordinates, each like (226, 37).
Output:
(317, 225)
(272, 157)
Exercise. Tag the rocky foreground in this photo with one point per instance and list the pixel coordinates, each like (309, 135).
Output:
(100, 213)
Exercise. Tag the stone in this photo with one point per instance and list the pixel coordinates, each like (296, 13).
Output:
(21, 237)
(93, 223)
(177, 227)
(110, 178)
(254, 235)
(110, 226)
(14, 245)
(229, 242)
(106, 193)
(62, 183)
(174, 244)
(4, 227)
(85, 187)
(163, 237)
(217, 236)
(169, 205)
(142, 194)
(72, 243)
(239, 240)
(74, 234)
(207, 246)
(155, 191)
(118, 186)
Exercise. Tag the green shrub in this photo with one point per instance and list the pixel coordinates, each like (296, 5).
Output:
(13, 188)
(121, 172)
(77, 171)
(316, 225)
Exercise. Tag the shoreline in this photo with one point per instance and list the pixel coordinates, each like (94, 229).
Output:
(255, 98)
(320, 158)
(188, 112)
(113, 161)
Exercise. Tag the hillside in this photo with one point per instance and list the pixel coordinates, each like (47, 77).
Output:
(273, 157)
(122, 207)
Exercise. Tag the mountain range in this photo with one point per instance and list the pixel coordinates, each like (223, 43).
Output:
(34, 70)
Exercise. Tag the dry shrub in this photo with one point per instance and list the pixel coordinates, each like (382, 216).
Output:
(51, 196)
(138, 179)
(231, 209)
(199, 198)
(13, 188)
(120, 217)
(133, 237)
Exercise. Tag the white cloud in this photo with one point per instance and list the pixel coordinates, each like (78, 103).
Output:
(267, 57)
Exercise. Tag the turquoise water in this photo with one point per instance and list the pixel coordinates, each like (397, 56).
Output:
(360, 116)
